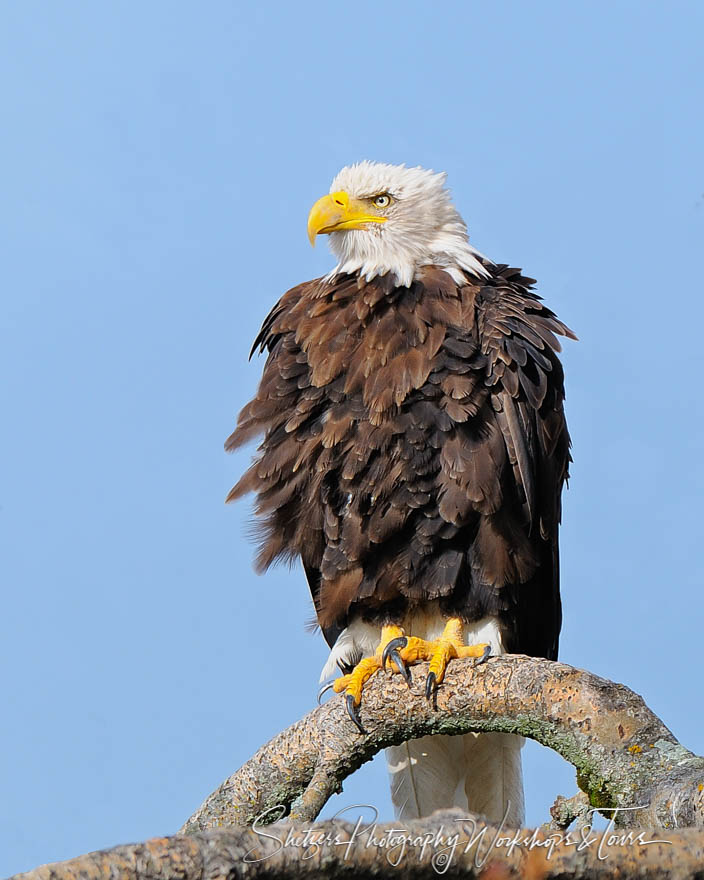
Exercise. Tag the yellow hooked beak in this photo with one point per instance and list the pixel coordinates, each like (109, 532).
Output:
(338, 211)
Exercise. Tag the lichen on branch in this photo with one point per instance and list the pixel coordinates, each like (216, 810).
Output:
(623, 753)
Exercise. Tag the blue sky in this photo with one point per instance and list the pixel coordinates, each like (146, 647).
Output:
(159, 162)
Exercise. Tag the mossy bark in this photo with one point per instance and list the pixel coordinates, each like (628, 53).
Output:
(625, 757)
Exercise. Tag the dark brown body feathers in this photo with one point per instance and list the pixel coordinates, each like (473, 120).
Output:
(415, 448)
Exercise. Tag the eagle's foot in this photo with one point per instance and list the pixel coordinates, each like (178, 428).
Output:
(439, 652)
(353, 683)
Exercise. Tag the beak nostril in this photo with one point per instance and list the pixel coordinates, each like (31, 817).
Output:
(339, 202)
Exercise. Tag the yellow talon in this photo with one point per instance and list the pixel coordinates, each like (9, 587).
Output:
(440, 651)
(353, 683)
(398, 649)
(355, 680)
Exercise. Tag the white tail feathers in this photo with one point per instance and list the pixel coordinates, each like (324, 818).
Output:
(476, 772)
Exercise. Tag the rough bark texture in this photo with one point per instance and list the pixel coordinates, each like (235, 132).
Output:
(496, 855)
(624, 755)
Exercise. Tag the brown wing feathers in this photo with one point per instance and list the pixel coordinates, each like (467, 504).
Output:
(414, 448)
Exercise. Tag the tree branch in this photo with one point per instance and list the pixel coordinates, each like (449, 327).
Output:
(447, 843)
(624, 755)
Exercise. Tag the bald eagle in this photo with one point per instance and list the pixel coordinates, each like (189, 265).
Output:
(413, 458)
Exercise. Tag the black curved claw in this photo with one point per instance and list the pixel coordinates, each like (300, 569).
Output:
(485, 656)
(430, 685)
(352, 712)
(345, 668)
(323, 689)
(393, 646)
(402, 668)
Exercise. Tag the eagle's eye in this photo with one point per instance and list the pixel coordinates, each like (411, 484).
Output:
(383, 200)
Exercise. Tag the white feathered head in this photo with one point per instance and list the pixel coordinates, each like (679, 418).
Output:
(389, 218)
